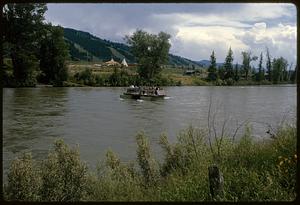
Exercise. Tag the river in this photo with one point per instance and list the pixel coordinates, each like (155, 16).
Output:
(97, 119)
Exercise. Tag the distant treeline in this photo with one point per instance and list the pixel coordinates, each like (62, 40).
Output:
(275, 71)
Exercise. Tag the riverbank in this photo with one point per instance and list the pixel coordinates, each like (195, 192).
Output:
(252, 171)
(89, 74)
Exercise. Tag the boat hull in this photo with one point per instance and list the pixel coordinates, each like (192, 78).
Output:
(152, 97)
(130, 96)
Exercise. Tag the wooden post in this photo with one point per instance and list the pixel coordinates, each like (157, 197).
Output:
(216, 181)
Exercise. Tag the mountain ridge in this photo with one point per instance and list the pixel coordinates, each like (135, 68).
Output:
(85, 46)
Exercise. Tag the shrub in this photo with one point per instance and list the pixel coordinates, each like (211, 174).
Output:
(63, 175)
(199, 82)
(116, 181)
(147, 163)
(173, 157)
(284, 146)
(23, 180)
(229, 81)
(85, 77)
(219, 82)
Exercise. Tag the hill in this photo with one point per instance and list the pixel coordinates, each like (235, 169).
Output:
(206, 64)
(87, 47)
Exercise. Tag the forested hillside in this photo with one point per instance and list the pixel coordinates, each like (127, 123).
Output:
(84, 46)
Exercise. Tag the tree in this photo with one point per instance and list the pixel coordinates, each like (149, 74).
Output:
(261, 71)
(228, 65)
(294, 74)
(53, 55)
(151, 52)
(23, 25)
(236, 72)
(269, 65)
(221, 72)
(212, 70)
(279, 67)
(246, 62)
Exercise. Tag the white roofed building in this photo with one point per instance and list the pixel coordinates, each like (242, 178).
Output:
(111, 63)
(124, 63)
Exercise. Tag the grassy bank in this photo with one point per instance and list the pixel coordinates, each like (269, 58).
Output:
(252, 170)
(109, 76)
(91, 74)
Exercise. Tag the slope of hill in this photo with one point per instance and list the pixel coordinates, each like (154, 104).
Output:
(84, 46)
(206, 64)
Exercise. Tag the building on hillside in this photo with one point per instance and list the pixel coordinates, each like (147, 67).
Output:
(190, 72)
(112, 63)
(124, 63)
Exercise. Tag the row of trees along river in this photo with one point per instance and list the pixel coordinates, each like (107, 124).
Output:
(36, 52)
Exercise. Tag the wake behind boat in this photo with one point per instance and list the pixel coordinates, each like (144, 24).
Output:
(144, 93)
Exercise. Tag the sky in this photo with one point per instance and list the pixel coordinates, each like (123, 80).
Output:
(196, 29)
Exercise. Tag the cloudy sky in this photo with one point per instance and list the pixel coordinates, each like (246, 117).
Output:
(196, 29)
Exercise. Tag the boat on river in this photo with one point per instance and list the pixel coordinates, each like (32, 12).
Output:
(144, 93)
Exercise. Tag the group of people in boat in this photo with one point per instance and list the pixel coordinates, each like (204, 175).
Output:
(153, 90)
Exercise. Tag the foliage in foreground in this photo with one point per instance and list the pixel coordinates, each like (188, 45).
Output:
(252, 170)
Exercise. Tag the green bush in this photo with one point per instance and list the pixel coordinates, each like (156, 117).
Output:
(23, 180)
(115, 181)
(63, 175)
(219, 82)
(229, 81)
(147, 163)
(199, 82)
(85, 77)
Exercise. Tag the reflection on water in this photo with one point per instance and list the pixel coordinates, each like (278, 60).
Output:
(97, 119)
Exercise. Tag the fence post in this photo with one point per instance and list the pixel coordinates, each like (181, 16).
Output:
(216, 182)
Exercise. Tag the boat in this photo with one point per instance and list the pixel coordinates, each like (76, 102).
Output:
(144, 93)
(132, 93)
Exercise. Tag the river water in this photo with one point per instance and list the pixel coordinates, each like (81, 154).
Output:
(98, 119)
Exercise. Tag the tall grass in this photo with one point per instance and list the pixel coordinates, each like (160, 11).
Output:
(262, 170)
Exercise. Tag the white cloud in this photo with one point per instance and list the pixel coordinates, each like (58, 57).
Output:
(263, 11)
(280, 39)
(186, 19)
(198, 42)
